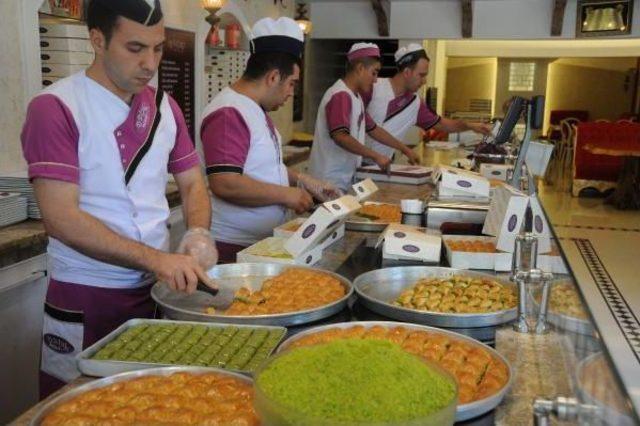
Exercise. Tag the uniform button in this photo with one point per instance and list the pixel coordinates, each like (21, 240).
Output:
(122, 146)
(119, 133)
(124, 161)
(135, 215)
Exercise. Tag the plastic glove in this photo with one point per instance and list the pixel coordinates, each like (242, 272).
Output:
(197, 242)
(321, 190)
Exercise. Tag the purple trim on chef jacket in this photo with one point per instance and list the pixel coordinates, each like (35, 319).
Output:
(225, 141)
(338, 112)
(369, 123)
(50, 140)
(426, 117)
(104, 310)
(183, 156)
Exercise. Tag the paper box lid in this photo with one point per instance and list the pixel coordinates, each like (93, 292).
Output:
(495, 171)
(365, 189)
(506, 216)
(398, 170)
(463, 181)
(540, 226)
(323, 221)
(402, 242)
(271, 250)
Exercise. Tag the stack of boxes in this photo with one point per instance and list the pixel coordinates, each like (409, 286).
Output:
(64, 50)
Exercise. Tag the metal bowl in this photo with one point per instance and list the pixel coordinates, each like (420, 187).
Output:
(463, 411)
(164, 371)
(180, 306)
(378, 289)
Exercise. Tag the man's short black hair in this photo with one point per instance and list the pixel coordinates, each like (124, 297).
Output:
(102, 18)
(366, 61)
(261, 63)
(410, 60)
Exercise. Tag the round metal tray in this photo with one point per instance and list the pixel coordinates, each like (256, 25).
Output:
(180, 306)
(164, 371)
(463, 411)
(378, 289)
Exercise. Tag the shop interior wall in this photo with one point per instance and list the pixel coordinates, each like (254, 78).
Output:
(605, 92)
(468, 80)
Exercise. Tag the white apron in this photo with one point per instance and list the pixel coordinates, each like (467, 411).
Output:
(137, 210)
(243, 225)
(328, 161)
(397, 124)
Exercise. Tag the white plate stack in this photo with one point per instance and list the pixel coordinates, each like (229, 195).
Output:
(18, 182)
(13, 208)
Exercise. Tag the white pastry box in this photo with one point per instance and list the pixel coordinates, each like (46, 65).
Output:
(538, 157)
(364, 189)
(455, 183)
(65, 44)
(69, 58)
(401, 242)
(63, 30)
(60, 70)
(399, 173)
(552, 261)
(506, 216)
(322, 223)
(469, 259)
(271, 250)
(495, 171)
(540, 226)
(287, 230)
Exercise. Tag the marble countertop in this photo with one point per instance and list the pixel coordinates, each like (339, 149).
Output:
(542, 365)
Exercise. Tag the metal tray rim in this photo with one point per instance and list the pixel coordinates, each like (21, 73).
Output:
(283, 319)
(463, 411)
(85, 363)
(106, 381)
(388, 309)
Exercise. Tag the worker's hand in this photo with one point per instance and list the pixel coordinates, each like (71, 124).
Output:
(383, 162)
(298, 200)
(197, 242)
(482, 128)
(412, 156)
(180, 271)
(320, 189)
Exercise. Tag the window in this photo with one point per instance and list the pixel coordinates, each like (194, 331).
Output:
(521, 76)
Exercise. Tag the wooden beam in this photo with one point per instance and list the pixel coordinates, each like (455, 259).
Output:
(467, 18)
(381, 8)
(558, 17)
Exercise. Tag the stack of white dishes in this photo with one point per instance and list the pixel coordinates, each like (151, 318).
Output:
(13, 208)
(18, 182)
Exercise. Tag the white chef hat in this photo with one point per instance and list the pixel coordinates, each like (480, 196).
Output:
(145, 12)
(362, 50)
(277, 35)
(408, 52)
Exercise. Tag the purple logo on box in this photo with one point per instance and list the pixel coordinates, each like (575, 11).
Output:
(58, 344)
(496, 172)
(399, 234)
(513, 221)
(335, 206)
(334, 235)
(309, 230)
(538, 224)
(411, 248)
(334, 223)
(308, 259)
(361, 189)
(464, 183)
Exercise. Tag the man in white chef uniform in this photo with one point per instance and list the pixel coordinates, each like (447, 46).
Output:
(394, 104)
(100, 145)
(342, 123)
(252, 188)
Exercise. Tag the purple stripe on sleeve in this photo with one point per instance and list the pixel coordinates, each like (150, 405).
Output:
(338, 111)
(426, 118)
(183, 156)
(225, 138)
(369, 123)
(50, 140)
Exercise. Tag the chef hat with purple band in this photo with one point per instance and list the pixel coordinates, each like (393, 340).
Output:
(408, 53)
(363, 50)
(277, 35)
(145, 12)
